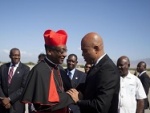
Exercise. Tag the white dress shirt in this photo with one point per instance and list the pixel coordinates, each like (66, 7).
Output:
(72, 73)
(15, 67)
(131, 89)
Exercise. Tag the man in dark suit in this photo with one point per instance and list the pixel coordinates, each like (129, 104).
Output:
(76, 77)
(145, 79)
(101, 89)
(12, 85)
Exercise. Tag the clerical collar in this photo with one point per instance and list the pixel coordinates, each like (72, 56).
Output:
(50, 63)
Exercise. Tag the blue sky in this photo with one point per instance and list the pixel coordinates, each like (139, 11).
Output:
(123, 24)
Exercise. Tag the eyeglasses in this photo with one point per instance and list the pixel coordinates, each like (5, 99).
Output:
(59, 50)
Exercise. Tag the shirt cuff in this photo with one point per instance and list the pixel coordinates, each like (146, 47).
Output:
(9, 99)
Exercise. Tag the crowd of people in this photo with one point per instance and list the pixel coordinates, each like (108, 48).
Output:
(104, 87)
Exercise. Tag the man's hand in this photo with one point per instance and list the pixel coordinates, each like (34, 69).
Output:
(8, 106)
(5, 101)
(74, 94)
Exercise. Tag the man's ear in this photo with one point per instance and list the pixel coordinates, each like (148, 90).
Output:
(128, 65)
(48, 51)
(66, 60)
(76, 61)
(97, 48)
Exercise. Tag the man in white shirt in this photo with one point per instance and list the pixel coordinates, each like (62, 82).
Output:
(132, 94)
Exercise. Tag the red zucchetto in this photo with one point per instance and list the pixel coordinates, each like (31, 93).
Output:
(53, 38)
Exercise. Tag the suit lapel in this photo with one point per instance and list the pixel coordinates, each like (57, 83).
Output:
(66, 79)
(75, 79)
(75, 76)
(18, 69)
(6, 73)
(97, 67)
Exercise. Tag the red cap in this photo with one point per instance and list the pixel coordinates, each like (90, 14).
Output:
(53, 38)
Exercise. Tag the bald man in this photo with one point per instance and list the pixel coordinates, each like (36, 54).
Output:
(100, 91)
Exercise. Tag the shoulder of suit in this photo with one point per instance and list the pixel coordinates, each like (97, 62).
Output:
(147, 75)
(5, 65)
(80, 72)
(24, 65)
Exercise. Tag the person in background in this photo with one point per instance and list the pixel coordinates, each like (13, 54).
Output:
(135, 73)
(87, 67)
(31, 108)
(76, 76)
(41, 57)
(13, 77)
(45, 87)
(131, 95)
(100, 92)
(145, 79)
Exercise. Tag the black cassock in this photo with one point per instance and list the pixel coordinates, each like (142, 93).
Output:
(38, 84)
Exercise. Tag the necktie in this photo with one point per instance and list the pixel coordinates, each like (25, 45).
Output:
(69, 74)
(10, 74)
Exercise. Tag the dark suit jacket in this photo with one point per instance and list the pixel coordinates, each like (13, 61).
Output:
(145, 79)
(66, 80)
(101, 88)
(78, 78)
(14, 90)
